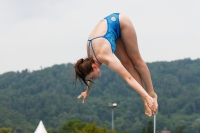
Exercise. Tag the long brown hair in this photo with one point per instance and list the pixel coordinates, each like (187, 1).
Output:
(82, 68)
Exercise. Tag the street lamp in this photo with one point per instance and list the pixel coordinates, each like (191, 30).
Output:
(112, 106)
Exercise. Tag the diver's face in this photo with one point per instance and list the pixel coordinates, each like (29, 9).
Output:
(96, 73)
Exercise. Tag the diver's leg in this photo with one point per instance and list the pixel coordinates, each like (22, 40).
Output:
(129, 39)
(121, 54)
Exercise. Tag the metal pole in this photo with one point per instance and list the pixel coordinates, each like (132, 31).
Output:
(112, 120)
(154, 124)
(113, 105)
(155, 121)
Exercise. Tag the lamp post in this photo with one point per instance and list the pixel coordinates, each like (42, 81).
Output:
(112, 106)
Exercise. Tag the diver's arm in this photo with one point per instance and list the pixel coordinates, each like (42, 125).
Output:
(88, 88)
(85, 94)
(113, 63)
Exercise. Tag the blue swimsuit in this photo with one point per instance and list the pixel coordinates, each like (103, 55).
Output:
(112, 34)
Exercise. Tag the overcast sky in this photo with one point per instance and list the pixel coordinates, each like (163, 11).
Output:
(41, 33)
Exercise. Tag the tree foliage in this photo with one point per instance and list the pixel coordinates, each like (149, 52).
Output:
(49, 95)
(6, 130)
(148, 128)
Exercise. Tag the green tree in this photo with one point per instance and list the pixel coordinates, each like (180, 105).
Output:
(148, 129)
(93, 128)
(71, 125)
(6, 130)
(180, 129)
(52, 131)
(143, 130)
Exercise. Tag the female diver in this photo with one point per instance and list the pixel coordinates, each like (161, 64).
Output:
(116, 34)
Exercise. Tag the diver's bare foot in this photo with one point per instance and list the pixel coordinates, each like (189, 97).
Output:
(147, 110)
(155, 105)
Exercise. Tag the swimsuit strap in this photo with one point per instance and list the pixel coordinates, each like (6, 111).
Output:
(96, 38)
(90, 44)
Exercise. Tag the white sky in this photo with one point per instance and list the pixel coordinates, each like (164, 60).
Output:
(41, 33)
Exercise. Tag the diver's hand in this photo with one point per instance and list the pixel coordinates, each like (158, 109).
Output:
(83, 95)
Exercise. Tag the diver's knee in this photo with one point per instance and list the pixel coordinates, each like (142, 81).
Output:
(137, 61)
(127, 64)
